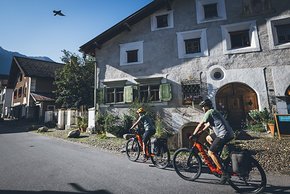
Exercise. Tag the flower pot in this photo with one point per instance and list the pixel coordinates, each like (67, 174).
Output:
(271, 127)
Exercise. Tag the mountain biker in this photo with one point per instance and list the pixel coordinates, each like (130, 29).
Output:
(223, 133)
(148, 125)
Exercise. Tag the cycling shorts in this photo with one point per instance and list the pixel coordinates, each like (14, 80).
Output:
(218, 143)
(147, 135)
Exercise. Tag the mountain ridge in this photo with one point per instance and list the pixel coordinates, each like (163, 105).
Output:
(6, 59)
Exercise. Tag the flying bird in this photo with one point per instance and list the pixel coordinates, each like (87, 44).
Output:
(58, 13)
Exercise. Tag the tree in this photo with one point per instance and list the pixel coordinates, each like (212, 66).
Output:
(75, 82)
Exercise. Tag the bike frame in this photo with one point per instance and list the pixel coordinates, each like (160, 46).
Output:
(140, 141)
(200, 148)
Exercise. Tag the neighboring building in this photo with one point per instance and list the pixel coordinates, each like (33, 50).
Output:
(32, 83)
(174, 53)
(5, 97)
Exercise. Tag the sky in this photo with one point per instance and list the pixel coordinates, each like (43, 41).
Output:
(30, 28)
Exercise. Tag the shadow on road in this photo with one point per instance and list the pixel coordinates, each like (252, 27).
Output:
(277, 189)
(16, 126)
(78, 188)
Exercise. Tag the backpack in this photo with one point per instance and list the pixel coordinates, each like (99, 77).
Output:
(241, 162)
(160, 144)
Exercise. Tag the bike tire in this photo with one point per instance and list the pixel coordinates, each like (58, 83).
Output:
(133, 149)
(187, 164)
(162, 159)
(254, 182)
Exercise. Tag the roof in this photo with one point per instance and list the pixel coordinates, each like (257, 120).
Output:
(89, 47)
(31, 67)
(41, 97)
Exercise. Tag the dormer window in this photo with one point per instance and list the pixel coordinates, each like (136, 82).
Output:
(162, 20)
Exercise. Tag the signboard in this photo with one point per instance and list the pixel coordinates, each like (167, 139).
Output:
(283, 124)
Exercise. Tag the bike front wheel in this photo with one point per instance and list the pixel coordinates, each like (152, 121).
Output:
(161, 159)
(132, 149)
(187, 164)
(253, 181)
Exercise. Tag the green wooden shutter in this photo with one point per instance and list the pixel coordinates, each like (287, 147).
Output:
(165, 92)
(101, 96)
(128, 94)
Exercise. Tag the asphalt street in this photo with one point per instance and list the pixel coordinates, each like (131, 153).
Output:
(32, 163)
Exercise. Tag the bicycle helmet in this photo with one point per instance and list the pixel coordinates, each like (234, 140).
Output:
(206, 102)
(140, 110)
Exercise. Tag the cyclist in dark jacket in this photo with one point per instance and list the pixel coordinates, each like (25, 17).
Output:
(148, 125)
(223, 132)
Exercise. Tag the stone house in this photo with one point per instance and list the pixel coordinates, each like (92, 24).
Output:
(174, 53)
(32, 83)
(5, 97)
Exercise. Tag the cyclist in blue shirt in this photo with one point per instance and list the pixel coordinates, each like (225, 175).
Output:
(148, 126)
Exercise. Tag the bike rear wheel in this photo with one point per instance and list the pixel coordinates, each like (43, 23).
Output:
(132, 149)
(161, 159)
(187, 164)
(253, 182)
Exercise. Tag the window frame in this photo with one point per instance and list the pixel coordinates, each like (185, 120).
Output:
(253, 37)
(115, 94)
(124, 48)
(170, 20)
(193, 34)
(200, 12)
(272, 31)
(194, 98)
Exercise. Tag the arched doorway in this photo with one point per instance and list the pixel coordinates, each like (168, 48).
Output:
(236, 100)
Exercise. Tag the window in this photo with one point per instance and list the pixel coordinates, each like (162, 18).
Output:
(192, 44)
(15, 94)
(240, 38)
(149, 93)
(162, 20)
(279, 32)
(132, 56)
(20, 92)
(191, 93)
(283, 33)
(131, 53)
(210, 10)
(33, 85)
(114, 95)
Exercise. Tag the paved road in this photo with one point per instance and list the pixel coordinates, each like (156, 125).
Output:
(31, 163)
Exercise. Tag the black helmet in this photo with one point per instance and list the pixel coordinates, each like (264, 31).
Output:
(206, 102)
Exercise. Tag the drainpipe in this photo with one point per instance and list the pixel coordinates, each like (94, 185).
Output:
(265, 78)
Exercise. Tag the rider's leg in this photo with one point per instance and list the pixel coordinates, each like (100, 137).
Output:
(210, 138)
(215, 159)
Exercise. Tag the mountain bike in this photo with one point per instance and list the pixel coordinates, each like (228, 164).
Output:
(134, 147)
(188, 165)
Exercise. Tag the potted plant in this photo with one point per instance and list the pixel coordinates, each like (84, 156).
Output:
(271, 126)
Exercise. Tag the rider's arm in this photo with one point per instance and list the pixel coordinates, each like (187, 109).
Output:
(136, 123)
(201, 127)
